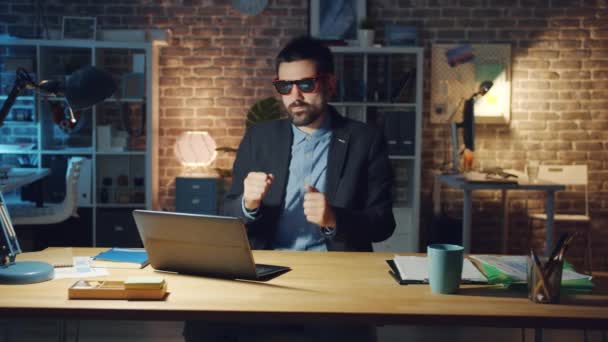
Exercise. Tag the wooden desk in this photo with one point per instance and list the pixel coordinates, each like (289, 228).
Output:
(322, 287)
(457, 181)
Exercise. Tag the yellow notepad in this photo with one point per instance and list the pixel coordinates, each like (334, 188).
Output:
(144, 282)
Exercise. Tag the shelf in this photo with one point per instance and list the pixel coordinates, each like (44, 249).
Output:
(24, 97)
(121, 153)
(126, 99)
(401, 157)
(75, 150)
(121, 205)
(372, 104)
(19, 152)
(51, 147)
(378, 50)
(20, 123)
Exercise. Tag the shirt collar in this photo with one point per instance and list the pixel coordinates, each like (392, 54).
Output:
(299, 136)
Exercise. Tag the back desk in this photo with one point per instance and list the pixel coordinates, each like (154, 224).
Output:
(322, 287)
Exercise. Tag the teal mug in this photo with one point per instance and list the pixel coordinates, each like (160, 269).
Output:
(445, 267)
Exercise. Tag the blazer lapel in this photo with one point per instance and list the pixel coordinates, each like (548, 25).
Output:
(280, 165)
(337, 154)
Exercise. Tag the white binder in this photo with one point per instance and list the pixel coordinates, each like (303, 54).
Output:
(84, 183)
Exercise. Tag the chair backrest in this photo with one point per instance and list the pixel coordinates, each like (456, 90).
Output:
(72, 175)
(567, 175)
(61, 211)
(564, 174)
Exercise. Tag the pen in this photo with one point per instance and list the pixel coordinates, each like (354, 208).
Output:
(539, 273)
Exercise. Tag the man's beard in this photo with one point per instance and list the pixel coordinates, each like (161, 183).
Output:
(305, 115)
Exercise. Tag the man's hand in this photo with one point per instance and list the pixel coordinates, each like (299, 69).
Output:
(316, 208)
(256, 185)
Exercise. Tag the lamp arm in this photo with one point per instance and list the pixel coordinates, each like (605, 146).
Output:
(455, 110)
(22, 81)
(7, 255)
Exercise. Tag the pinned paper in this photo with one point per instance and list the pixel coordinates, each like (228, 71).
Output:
(459, 55)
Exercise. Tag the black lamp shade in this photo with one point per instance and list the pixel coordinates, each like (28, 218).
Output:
(88, 86)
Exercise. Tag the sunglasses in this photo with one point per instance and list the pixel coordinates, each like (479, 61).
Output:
(306, 85)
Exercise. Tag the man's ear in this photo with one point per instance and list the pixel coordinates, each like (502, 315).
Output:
(331, 84)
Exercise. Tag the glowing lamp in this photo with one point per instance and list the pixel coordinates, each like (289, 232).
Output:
(195, 149)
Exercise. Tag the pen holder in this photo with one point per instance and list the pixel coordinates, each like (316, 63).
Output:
(544, 280)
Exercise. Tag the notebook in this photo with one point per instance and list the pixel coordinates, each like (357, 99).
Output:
(121, 258)
(414, 270)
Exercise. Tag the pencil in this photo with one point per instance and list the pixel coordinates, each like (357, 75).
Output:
(539, 273)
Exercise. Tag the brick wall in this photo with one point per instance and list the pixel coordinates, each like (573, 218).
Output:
(219, 62)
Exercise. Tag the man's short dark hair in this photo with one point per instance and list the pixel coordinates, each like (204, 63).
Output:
(307, 48)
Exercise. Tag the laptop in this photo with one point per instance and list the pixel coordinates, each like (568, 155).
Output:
(215, 246)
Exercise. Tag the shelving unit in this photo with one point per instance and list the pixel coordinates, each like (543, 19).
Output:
(117, 135)
(383, 86)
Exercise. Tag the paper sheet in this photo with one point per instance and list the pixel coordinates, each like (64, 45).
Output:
(81, 269)
(416, 268)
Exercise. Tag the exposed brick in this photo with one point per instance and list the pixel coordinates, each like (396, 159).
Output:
(209, 92)
(170, 102)
(210, 71)
(177, 51)
(197, 81)
(169, 81)
(205, 32)
(183, 92)
(588, 146)
(531, 125)
(175, 72)
(230, 102)
(179, 112)
(575, 116)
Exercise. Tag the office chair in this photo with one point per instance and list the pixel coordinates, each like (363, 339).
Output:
(573, 175)
(26, 213)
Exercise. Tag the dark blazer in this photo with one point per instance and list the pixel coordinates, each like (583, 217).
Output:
(359, 182)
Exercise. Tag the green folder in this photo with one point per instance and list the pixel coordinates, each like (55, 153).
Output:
(496, 275)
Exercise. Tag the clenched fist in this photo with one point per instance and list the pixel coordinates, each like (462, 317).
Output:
(256, 185)
(317, 209)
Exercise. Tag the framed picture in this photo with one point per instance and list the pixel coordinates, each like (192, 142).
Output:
(337, 19)
(78, 28)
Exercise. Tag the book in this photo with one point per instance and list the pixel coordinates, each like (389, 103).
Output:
(414, 270)
(121, 258)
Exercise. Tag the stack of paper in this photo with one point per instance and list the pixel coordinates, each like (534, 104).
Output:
(507, 269)
(414, 270)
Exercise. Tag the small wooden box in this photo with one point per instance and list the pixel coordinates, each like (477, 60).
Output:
(112, 289)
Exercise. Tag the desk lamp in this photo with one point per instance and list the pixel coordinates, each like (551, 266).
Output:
(467, 124)
(84, 88)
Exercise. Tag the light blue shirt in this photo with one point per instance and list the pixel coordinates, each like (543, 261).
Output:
(308, 166)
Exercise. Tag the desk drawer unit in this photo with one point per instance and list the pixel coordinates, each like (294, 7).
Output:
(196, 195)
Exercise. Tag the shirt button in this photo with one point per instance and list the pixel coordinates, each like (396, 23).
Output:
(308, 155)
(306, 181)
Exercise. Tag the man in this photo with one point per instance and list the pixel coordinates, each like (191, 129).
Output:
(317, 180)
(313, 181)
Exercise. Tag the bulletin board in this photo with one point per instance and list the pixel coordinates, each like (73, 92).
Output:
(451, 85)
